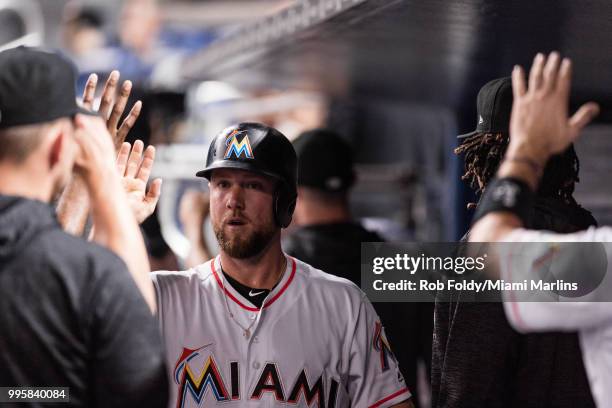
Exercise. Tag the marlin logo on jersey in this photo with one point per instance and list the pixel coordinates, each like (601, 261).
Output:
(238, 148)
(193, 385)
(381, 344)
(196, 385)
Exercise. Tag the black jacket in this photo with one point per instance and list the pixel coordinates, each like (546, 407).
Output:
(479, 360)
(333, 248)
(72, 316)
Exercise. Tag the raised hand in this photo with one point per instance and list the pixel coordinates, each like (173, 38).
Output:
(540, 125)
(95, 156)
(73, 206)
(112, 105)
(135, 167)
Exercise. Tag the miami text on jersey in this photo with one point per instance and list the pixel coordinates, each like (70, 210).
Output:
(194, 383)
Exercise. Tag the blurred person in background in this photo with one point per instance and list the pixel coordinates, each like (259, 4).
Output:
(82, 31)
(151, 50)
(479, 360)
(84, 38)
(325, 235)
(137, 33)
(141, 45)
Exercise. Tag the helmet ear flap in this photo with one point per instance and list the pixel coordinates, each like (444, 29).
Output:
(284, 205)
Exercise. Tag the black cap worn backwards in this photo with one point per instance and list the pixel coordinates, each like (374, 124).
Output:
(325, 161)
(494, 105)
(35, 87)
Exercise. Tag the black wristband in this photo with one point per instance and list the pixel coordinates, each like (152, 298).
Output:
(507, 194)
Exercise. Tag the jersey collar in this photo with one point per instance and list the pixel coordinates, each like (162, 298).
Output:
(273, 296)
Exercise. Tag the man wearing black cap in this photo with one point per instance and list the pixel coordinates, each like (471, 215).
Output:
(325, 227)
(72, 312)
(327, 237)
(478, 359)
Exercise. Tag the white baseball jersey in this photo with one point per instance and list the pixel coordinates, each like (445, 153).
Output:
(317, 341)
(590, 315)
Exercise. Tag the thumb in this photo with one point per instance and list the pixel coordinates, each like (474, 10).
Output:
(154, 191)
(582, 117)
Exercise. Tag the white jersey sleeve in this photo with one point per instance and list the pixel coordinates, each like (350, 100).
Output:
(374, 376)
(566, 314)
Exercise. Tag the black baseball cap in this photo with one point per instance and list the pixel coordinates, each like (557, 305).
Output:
(36, 86)
(494, 105)
(325, 161)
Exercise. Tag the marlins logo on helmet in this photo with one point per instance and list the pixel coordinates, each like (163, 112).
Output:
(238, 147)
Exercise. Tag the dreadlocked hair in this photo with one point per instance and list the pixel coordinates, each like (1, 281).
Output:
(484, 152)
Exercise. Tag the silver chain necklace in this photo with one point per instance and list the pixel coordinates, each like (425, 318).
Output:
(246, 331)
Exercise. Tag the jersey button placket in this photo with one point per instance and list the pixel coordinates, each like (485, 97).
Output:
(253, 352)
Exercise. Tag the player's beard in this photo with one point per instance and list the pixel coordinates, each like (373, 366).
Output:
(246, 245)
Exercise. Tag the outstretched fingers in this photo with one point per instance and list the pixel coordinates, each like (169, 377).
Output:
(564, 84)
(108, 95)
(118, 108)
(535, 75)
(90, 91)
(122, 157)
(582, 117)
(147, 164)
(134, 159)
(518, 82)
(128, 122)
(550, 72)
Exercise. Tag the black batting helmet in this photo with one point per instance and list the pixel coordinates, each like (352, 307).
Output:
(260, 149)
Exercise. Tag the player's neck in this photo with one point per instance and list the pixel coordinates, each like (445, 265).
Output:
(262, 271)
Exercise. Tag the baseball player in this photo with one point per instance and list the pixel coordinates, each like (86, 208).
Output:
(254, 327)
(541, 127)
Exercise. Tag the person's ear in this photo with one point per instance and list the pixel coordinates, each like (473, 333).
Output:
(56, 151)
(58, 144)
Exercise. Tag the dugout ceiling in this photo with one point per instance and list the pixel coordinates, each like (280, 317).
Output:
(431, 51)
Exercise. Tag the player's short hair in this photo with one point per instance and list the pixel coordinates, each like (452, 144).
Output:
(18, 142)
(483, 155)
